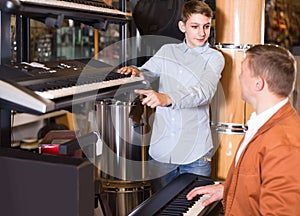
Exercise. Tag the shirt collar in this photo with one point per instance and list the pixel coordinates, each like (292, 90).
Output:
(256, 121)
(199, 49)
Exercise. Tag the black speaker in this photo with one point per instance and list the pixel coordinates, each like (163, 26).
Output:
(34, 184)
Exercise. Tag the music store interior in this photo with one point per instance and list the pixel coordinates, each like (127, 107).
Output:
(67, 124)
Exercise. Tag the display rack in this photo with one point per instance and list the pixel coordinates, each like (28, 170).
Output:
(52, 17)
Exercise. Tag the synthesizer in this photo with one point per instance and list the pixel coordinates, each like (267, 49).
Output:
(82, 5)
(171, 200)
(92, 12)
(36, 87)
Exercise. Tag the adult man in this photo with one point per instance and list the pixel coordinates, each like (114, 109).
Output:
(264, 179)
(189, 73)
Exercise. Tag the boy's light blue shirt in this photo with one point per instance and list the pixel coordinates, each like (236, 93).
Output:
(181, 132)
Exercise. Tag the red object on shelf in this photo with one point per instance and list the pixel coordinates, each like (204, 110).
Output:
(50, 149)
(52, 140)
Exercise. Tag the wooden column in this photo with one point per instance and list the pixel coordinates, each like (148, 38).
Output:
(240, 22)
(96, 43)
(239, 25)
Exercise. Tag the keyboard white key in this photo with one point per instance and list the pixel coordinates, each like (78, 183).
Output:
(197, 207)
(78, 89)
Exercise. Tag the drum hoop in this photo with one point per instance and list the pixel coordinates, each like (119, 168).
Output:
(233, 46)
(229, 128)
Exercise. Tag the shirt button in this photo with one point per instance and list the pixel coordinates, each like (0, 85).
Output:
(172, 134)
(173, 119)
(180, 71)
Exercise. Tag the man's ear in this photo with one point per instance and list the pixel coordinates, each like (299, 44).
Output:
(181, 26)
(260, 84)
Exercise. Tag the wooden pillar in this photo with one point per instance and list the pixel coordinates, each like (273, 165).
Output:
(96, 43)
(239, 25)
(240, 22)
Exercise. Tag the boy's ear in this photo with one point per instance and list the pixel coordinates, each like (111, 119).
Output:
(181, 26)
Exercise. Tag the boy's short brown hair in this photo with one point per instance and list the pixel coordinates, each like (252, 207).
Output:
(195, 6)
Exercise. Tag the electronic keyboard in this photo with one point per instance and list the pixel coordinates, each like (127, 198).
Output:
(171, 200)
(51, 86)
